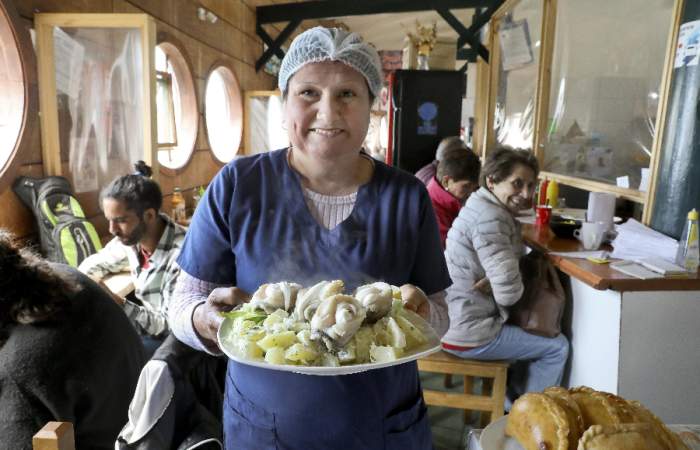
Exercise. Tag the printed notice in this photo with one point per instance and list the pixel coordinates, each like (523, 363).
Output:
(515, 45)
(687, 49)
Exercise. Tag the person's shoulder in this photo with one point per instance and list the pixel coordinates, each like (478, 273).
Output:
(260, 161)
(400, 177)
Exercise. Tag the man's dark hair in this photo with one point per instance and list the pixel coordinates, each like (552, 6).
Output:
(138, 192)
(501, 162)
(460, 164)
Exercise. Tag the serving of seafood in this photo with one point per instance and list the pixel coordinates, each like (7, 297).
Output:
(322, 326)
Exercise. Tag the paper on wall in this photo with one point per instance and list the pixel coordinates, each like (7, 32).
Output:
(623, 181)
(688, 48)
(515, 45)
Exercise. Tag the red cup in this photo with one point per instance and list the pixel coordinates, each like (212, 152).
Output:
(542, 215)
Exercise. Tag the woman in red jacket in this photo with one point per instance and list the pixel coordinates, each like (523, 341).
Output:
(457, 176)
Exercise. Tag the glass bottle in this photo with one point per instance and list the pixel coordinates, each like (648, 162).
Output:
(179, 213)
(688, 254)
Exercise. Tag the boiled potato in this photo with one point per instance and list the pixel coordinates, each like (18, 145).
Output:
(248, 349)
(414, 337)
(284, 339)
(384, 353)
(301, 353)
(275, 355)
(397, 338)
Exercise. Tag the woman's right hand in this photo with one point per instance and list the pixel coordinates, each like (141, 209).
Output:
(207, 316)
(483, 285)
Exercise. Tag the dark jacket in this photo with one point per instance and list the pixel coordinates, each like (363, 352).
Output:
(82, 369)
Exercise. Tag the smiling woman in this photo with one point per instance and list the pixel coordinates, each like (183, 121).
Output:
(318, 210)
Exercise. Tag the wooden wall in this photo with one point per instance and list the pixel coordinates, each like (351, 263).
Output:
(232, 38)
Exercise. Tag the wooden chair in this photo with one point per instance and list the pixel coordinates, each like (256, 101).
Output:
(55, 436)
(493, 374)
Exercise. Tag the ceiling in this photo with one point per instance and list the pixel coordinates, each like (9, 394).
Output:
(385, 31)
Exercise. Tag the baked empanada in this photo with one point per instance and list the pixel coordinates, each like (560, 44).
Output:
(538, 422)
(597, 408)
(628, 436)
(573, 413)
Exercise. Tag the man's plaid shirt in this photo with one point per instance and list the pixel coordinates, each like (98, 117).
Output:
(153, 286)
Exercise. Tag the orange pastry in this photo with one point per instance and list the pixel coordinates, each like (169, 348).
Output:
(629, 436)
(597, 408)
(573, 413)
(538, 422)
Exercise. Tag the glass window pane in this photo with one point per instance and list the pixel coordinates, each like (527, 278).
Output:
(519, 43)
(100, 106)
(223, 113)
(12, 88)
(606, 71)
(265, 122)
(184, 107)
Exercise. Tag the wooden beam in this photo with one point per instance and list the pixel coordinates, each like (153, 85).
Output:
(465, 36)
(324, 9)
(275, 45)
(268, 40)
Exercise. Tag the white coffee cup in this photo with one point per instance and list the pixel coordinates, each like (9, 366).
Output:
(591, 234)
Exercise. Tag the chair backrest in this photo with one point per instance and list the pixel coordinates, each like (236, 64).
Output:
(55, 436)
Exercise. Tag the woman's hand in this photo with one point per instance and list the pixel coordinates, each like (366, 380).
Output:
(207, 318)
(483, 285)
(415, 300)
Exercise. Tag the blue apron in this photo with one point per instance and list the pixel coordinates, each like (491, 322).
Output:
(253, 227)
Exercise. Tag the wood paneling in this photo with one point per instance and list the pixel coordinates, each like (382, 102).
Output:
(27, 8)
(231, 39)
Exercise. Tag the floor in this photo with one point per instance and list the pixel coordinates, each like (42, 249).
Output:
(449, 430)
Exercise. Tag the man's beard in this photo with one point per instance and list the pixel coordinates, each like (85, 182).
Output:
(135, 236)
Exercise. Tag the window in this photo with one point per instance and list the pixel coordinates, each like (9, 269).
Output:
(176, 106)
(223, 113)
(12, 86)
(96, 109)
(605, 91)
(264, 130)
(518, 38)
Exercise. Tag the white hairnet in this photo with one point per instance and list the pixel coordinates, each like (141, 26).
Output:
(332, 44)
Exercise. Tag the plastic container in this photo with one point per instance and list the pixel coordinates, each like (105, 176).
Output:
(179, 212)
(688, 254)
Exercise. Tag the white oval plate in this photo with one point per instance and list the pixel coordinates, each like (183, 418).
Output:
(494, 437)
(432, 346)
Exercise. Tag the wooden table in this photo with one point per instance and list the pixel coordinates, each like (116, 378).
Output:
(599, 276)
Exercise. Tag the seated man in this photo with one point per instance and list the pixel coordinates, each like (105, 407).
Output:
(147, 243)
(427, 172)
(457, 177)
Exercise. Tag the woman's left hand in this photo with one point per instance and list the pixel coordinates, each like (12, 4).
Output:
(415, 300)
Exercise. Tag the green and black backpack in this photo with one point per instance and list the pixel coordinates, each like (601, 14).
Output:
(66, 236)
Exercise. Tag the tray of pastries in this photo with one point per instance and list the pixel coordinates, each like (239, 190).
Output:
(579, 419)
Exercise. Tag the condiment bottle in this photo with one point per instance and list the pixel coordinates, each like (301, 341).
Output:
(552, 194)
(543, 192)
(178, 201)
(688, 254)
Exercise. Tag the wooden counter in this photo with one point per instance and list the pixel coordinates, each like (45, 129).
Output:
(599, 276)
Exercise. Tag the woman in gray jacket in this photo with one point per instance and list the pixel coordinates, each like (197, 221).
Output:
(483, 250)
